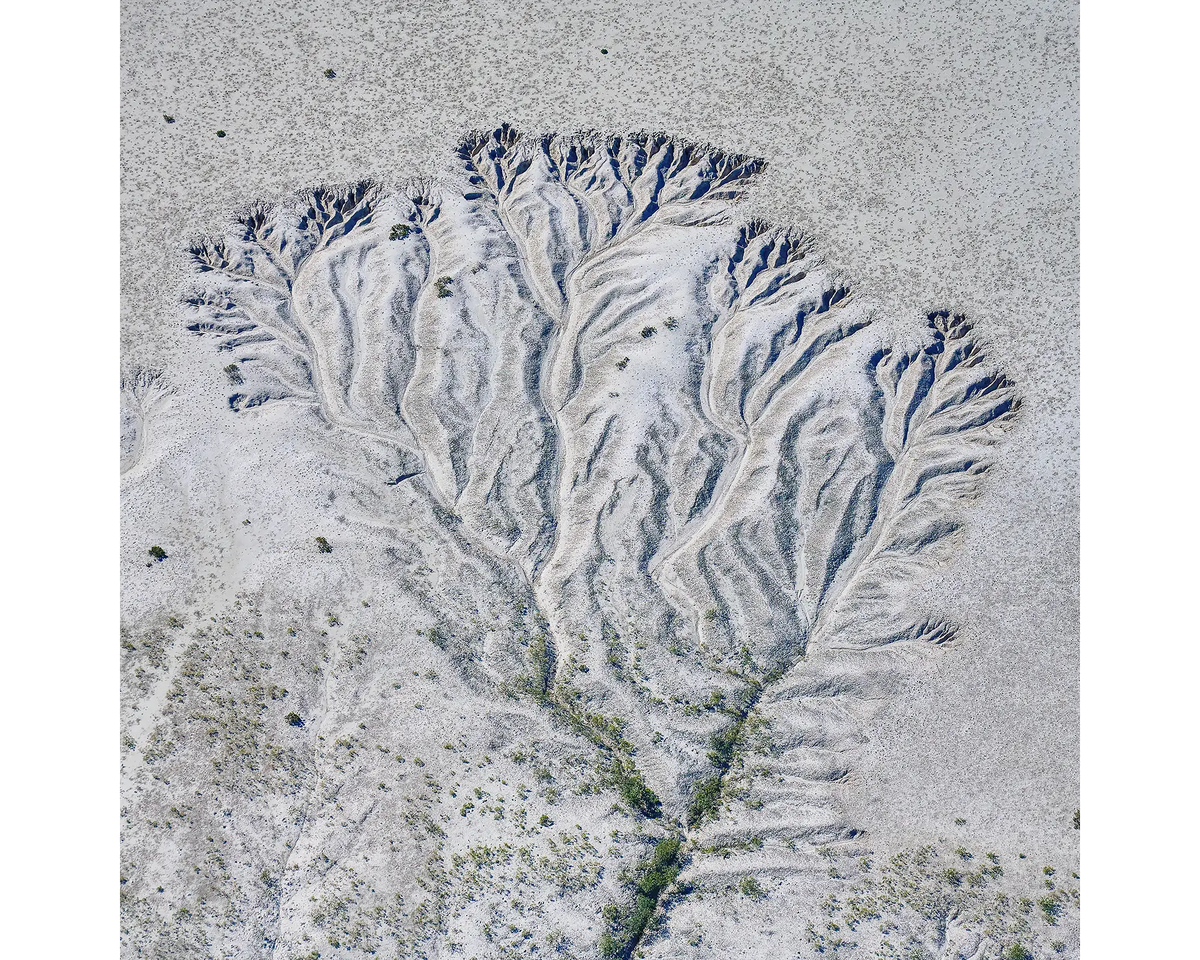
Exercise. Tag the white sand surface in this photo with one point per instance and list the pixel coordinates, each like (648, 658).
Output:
(619, 441)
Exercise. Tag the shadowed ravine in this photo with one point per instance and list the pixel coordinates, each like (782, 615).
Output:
(677, 433)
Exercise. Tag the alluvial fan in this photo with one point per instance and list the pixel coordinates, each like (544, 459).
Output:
(675, 436)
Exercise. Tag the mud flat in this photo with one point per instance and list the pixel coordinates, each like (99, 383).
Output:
(584, 541)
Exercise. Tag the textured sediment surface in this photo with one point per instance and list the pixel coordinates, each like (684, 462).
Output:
(626, 507)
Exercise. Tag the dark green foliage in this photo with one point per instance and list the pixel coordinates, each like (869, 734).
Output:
(662, 868)
(634, 790)
(622, 363)
(330, 74)
(323, 545)
(1075, 820)
(158, 553)
(648, 332)
(543, 663)
(671, 323)
(399, 231)
(294, 719)
(443, 287)
(168, 118)
(1017, 952)
(655, 875)
(723, 743)
(723, 746)
(233, 373)
(220, 133)
(704, 804)
(1051, 908)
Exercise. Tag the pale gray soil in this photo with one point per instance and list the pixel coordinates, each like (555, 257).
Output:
(769, 485)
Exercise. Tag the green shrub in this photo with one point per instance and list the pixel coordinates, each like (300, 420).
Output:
(220, 133)
(399, 231)
(750, 887)
(168, 118)
(655, 876)
(723, 743)
(1050, 909)
(704, 804)
(158, 553)
(294, 719)
(234, 373)
(443, 287)
(635, 792)
(661, 870)
(1017, 952)
(330, 73)
(323, 545)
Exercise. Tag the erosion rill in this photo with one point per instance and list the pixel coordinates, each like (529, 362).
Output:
(677, 438)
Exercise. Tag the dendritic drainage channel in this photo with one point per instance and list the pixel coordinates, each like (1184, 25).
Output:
(675, 436)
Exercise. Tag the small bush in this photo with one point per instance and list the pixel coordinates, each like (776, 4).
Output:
(294, 719)
(399, 231)
(639, 796)
(1075, 820)
(1017, 952)
(233, 373)
(168, 118)
(662, 869)
(750, 887)
(704, 804)
(443, 287)
(1050, 909)
(330, 73)
(158, 553)
(323, 545)
(220, 133)
(648, 332)
(622, 363)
